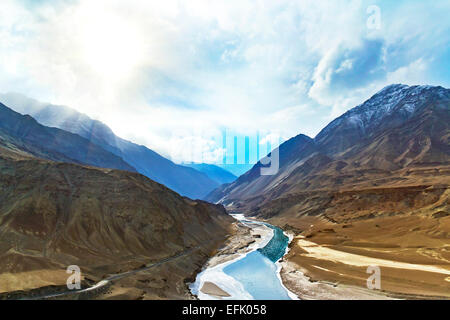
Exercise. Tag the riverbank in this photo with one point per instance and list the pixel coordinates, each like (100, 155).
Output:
(330, 261)
(213, 283)
(246, 267)
(235, 271)
(294, 278)
(244, 240)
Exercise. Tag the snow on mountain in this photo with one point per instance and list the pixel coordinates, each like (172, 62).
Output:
(397, 102)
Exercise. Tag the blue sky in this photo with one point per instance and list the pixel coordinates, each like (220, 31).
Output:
(174, 75)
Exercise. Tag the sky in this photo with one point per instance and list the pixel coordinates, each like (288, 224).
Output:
(175, 75)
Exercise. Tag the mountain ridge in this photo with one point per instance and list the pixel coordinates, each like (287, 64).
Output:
(397, 101)
(342, 148)
(53, 143)
(216, 173)
(184, 180)
(375, 184)
(56, 214)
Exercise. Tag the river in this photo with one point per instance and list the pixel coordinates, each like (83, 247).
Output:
(255, 275)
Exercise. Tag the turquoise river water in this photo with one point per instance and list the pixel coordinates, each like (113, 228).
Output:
(257, 271)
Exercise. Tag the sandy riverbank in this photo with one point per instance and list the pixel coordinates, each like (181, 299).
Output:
(245, 240)
(294, 279)
(308, 264)
(213, 283)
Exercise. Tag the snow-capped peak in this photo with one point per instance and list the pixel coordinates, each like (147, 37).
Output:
(403, 100)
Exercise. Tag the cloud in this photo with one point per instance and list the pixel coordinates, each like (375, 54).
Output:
(164, 73)
(344, 70)
(410, 74)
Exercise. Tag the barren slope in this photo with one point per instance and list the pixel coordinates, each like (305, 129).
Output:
(53, 215)
(374, 183)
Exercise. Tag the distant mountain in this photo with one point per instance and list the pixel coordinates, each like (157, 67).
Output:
(26, 134)
(186, 181)
(252, 182)
(370, 145)
(236, 169)
(214, 172)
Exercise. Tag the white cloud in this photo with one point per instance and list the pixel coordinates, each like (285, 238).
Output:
(411, 74)
(345, 66)
(150, 69)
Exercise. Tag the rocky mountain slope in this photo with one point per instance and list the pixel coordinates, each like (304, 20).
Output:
(391, 107)
(186, 181)
(53, 215)
(27, 134)
(371, 189)
(398, 127)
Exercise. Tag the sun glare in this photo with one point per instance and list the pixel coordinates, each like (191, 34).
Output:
(112, 47)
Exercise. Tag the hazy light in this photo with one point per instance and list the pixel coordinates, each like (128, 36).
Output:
(111, 46)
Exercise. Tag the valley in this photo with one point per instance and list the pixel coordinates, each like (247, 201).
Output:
(250, 270)
(371, 189)
(224, 159)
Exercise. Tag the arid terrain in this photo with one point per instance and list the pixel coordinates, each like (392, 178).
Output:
(54, 214)
(412, 250)
(372, 188)
(399, 222)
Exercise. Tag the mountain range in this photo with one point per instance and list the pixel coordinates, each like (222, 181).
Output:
(373, 184)
(26, 134)
(372, 188)
(398, 127)
(54, 214)
(214, 172)
(187, 181)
